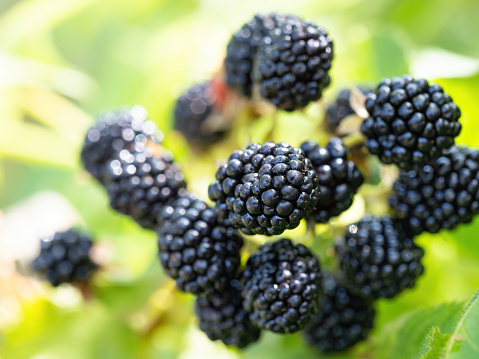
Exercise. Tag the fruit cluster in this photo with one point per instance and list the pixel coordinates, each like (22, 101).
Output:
(269, 188)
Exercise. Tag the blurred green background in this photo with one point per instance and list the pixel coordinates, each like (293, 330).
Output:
(63, 62)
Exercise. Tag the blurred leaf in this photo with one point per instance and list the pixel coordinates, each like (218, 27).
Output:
(13, 26)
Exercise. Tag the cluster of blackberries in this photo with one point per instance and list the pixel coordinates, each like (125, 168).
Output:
(269, 188)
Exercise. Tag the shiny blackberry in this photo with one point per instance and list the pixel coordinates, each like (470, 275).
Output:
(265, 189)
(378, 259)
(344, 319)
(339, 179)
(341, 108)
(292, 67)
(222, 317)
(65, 258)
(116, 131)
(438, 196)
(194, 249)
(139, 184)
(242, 49)
(411, 121)
(282, 286)
(195, 115)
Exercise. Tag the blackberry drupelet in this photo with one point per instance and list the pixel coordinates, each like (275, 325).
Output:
(339, 179)
(193, 114)
(282, 286)
(140, 184)
(194, 249)
(411, 122)
(341, 108)
(222, 317)
(65, 258)
(343, 320)
(113, 132)
(438, 196)
(242, 49)
(378, 259)
(292, 67)
(265, 189)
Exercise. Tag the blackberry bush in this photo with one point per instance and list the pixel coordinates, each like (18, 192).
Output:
(113, 132)
(65, 258)
(139, 184)
(378, 260)
(438, 196)
(292, 67)
(201, 254)
(344, 318)
(339, 179)
(222, 317)
(283, 286)
(265, 189)
(194, 112)
(411, 121)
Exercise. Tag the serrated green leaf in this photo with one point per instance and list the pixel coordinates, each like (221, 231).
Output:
(463, 343)
(435, 342)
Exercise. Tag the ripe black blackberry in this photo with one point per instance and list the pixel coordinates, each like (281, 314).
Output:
(292, 67)
(140, 184)
(65, 258)
(282, 286)
(343, 320)
(438, 196)
(339, 179)
(265, 189)
(411, 121)
(242, 49)
(378, 259)
(341, 108)
(194, 112)
(222, 317)
(194, 249)
(113, 132)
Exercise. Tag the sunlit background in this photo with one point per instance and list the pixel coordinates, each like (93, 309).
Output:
(63, 62)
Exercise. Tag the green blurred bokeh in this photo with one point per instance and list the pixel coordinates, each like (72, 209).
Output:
(63, 62)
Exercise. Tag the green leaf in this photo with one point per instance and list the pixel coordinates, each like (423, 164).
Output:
(463, 342)
(435, 343)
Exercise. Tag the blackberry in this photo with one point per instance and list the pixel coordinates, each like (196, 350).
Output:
(438, 196)
(378, 259)
(282, 286)
(194, 249)
(242, 49)
(222, 317)
(140, 184)
(292, 67)
(341, 108)
(65, 258)
(411, 121)
(339, 179)
(265, 189)
(113, 132)
(343, 320)
(193, 113)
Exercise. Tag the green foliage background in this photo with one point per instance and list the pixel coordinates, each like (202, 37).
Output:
(62, 62)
